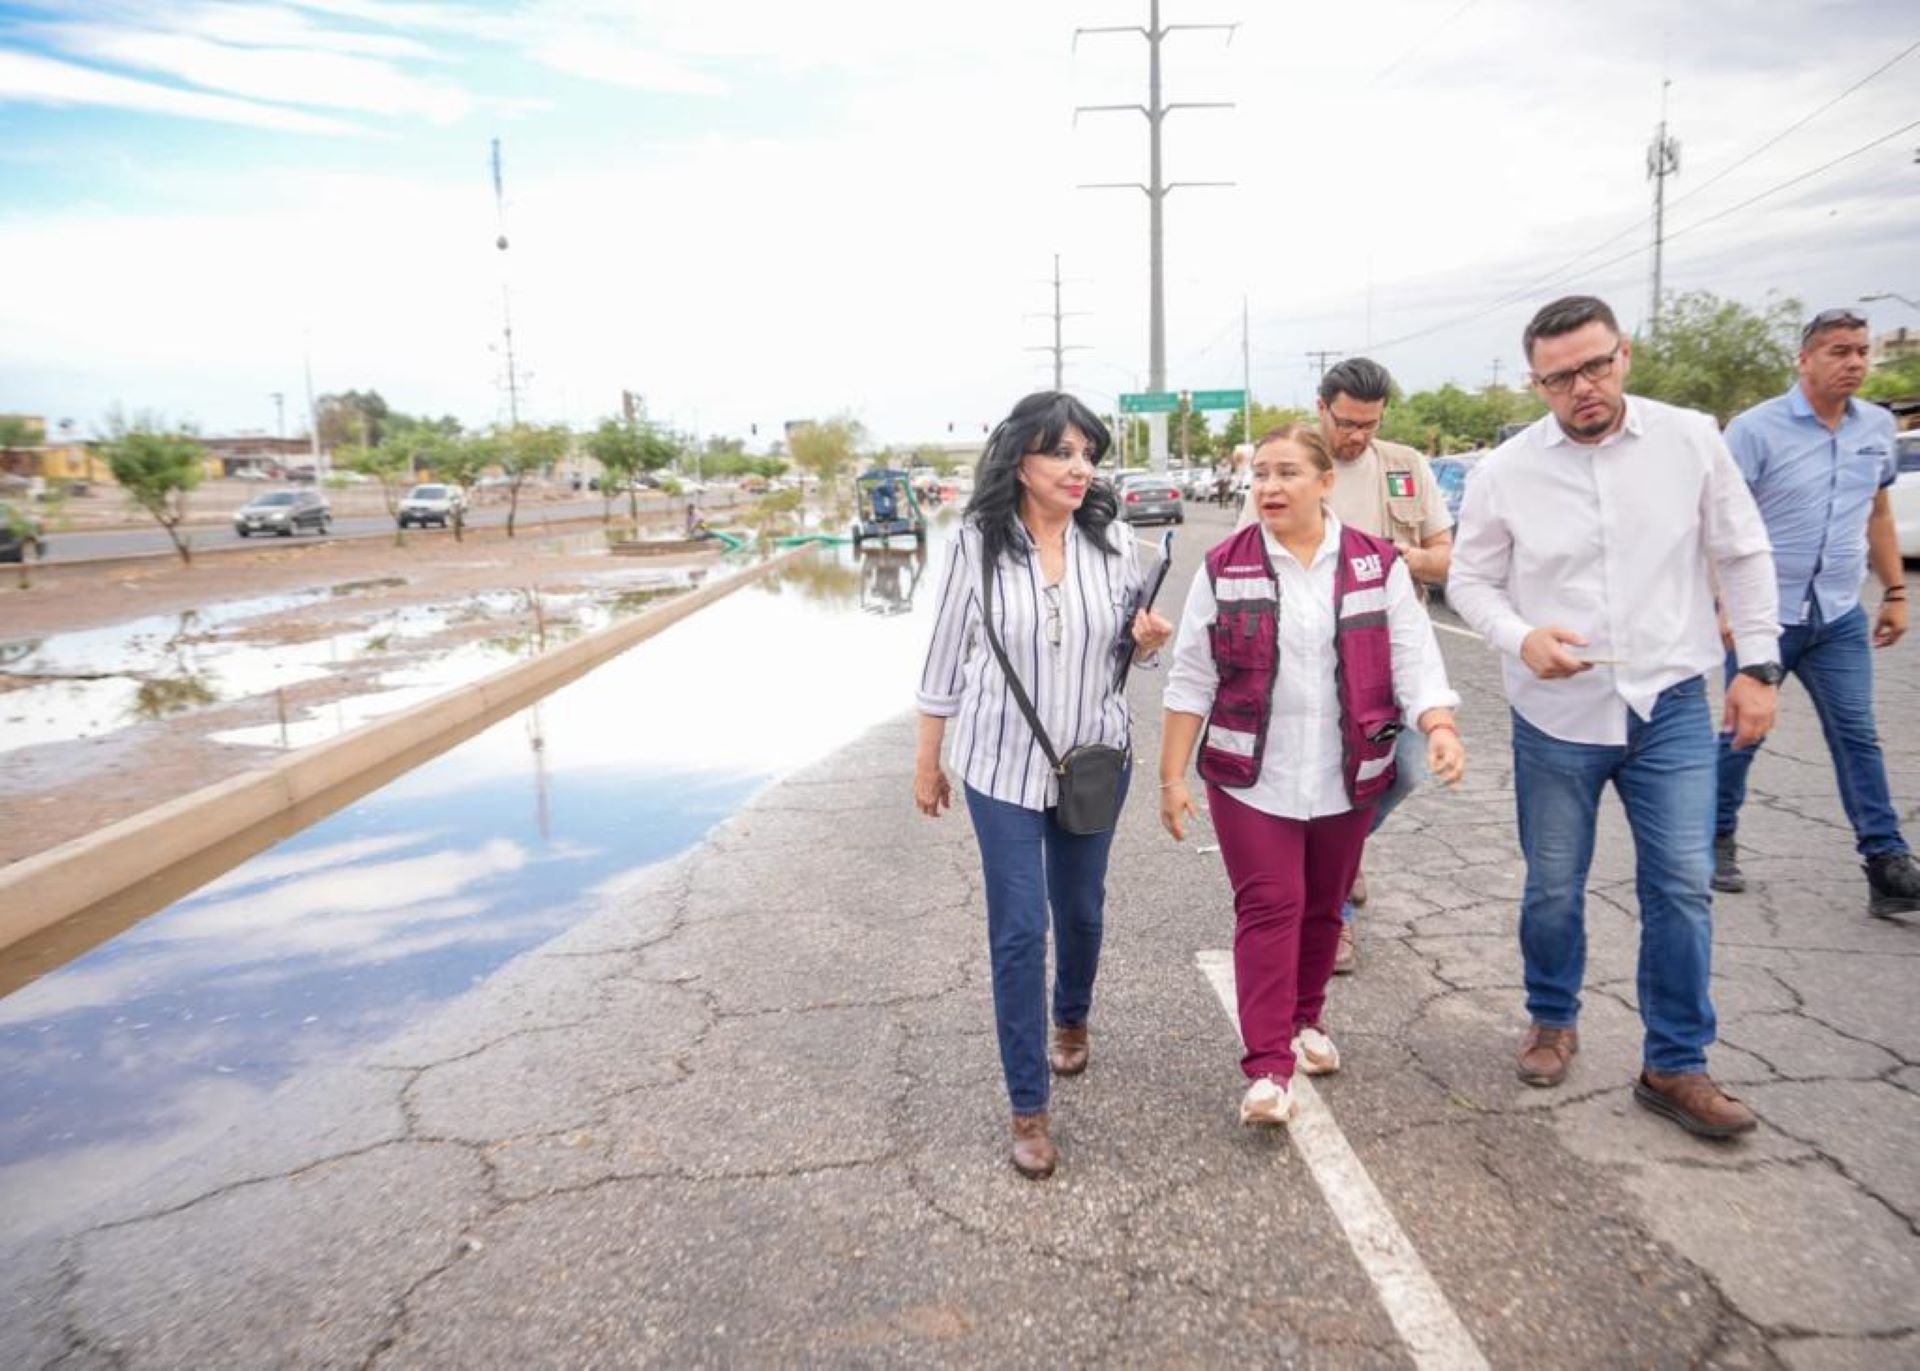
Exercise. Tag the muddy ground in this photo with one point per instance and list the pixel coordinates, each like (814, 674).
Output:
(279, 647)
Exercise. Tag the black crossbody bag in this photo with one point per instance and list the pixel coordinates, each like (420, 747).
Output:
(1089, 775)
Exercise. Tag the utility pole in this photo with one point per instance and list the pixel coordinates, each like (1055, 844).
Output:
(1058, 348)
(1494, 384)
(1156, 190)
(506, 291)
(279, 414)
(1246, 377)
(1663, 160)
(1319, 357)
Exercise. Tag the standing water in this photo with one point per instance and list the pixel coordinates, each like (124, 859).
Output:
(342, 934)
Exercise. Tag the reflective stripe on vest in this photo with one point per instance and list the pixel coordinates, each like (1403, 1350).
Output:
(1245, 641)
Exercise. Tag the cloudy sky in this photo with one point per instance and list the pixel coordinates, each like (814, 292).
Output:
(757, 210)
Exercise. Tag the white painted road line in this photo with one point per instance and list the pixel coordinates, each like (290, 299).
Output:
(1463, 632)
(1433, 1333)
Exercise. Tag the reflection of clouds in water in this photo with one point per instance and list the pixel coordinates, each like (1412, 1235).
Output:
(274, 866)
(351, 915)
(390, 887)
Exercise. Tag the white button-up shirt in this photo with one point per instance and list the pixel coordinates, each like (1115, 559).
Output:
(1300, 772)
(1619, 541)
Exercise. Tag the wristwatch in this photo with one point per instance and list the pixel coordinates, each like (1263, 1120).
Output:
(1767, 673)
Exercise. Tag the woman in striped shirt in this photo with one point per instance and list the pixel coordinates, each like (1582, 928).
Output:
(1064, 578)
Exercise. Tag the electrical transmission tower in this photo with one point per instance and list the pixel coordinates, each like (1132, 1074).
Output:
(1058, 348)
(1155, 187)
(1663, 160)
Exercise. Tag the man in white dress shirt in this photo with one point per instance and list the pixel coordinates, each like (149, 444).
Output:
(1587, 552)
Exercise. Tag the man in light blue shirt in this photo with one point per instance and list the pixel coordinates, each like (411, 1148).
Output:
(1819, 463)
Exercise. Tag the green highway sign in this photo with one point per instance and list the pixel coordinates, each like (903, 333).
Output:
(1219, 399)
(1150, 402)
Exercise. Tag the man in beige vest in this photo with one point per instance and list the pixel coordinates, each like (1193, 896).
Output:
(1388, 490)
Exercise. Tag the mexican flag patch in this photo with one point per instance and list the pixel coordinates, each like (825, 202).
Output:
(1399, 485)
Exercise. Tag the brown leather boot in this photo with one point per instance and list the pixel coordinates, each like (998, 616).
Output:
(1069, 1055)
(1692, 1100)
(1546, 1054)
(1033, 1152)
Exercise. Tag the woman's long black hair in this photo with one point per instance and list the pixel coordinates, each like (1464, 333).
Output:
(1036, 425)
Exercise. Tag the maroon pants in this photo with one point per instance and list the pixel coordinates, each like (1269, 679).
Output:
(1289, 877)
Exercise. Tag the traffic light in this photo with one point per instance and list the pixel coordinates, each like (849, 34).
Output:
(949, 426)
(754, 429)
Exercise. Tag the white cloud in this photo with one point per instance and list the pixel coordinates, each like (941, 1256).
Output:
(623, 64)
(33, 79)
(288, 75)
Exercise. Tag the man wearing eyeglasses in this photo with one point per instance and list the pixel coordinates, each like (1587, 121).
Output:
(1386, 489)
(1820, 463)
(1588, 548)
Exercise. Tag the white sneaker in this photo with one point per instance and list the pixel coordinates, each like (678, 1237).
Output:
(1267, 1101)
(1314, 1053)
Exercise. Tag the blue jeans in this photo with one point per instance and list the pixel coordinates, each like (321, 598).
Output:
(1835, 663)
(1031, 863)
(1665, 778)
(1409, 769)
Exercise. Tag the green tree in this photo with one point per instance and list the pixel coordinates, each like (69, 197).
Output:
(25, 529)
(827, 450)
(1266, 418)
(351, 416)
(459, 462)
(618, 446)
(1893, 380)
(1717, 355)
(525, 449)
(391, 465)
(157, 467)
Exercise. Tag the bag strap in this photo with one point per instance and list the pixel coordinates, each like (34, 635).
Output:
(1013, 680)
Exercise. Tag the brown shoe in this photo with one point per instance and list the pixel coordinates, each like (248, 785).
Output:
(1546, 1054)
(1069, 1055)
(1358, 894)
(1693, 1101)
(1346, 955)
(1033, 1153)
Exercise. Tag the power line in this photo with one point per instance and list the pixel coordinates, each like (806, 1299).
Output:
(1522, 292)
(1554, 278)
(1423, 44)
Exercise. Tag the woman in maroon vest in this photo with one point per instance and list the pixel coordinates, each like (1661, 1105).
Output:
(1302, 649)
(1065, 577)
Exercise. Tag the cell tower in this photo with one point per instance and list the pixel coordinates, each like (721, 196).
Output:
(506, 291)
(1663, 160)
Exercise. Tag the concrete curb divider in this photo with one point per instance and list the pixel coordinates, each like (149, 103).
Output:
(40, 891)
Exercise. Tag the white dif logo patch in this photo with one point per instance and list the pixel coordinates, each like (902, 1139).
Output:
(1367, 568)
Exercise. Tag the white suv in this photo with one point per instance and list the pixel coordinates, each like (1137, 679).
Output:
(434, 504)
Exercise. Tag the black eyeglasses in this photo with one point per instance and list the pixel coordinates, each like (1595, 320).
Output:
(1830, 318)
(1596, 369)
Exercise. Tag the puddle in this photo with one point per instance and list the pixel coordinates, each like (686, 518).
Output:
(74, 686)
(376, 915)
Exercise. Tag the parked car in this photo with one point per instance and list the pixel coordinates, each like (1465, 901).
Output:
(1148, 497)
(430, 504)
(283, 512)
(250, 474)
(20, 533)
(1905, 495)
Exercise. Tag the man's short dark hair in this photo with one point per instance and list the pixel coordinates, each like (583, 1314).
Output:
(1361, 377)
(1564, 315)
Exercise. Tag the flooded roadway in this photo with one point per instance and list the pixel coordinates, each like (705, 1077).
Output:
(338, 936)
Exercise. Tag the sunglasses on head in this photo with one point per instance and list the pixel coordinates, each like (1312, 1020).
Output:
(1831, 318)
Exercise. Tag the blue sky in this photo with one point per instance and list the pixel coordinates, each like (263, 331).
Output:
(751, 211)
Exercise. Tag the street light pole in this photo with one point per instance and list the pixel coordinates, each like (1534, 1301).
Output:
(1889, 295)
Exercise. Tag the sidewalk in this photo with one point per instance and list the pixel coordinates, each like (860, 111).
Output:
(753, 1114)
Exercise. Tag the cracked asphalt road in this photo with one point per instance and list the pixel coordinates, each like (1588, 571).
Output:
(753, 1114)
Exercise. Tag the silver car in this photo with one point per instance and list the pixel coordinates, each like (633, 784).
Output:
(430, 504)
(1149, 498)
